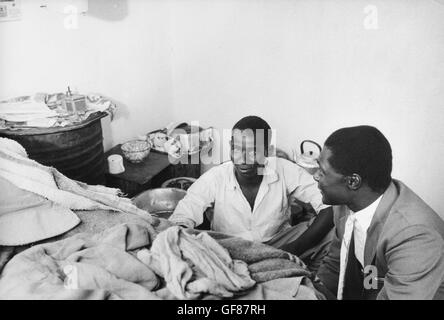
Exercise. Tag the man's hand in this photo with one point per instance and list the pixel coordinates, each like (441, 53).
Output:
(162, 224)
(320, 227)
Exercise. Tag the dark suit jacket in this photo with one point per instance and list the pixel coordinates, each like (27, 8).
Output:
(405, 241)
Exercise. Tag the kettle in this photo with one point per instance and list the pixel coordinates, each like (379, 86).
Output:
(307, 159)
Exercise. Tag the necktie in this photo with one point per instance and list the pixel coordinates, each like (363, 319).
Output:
(353, 288)
(349, 226)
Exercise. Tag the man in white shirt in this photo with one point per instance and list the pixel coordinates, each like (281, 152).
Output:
(387, 243)
(251, 194)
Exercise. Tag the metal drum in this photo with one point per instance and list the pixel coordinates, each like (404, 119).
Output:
(76, 150)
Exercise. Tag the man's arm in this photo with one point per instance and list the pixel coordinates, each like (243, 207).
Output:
(328, 272)
(304, 188)
(319, 228)
(200, 195)
(415, 262)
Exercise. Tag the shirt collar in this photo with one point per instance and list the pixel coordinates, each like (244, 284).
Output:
(364, 216)
(269, 172)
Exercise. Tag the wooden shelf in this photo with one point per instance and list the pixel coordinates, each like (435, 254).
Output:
(150, 173)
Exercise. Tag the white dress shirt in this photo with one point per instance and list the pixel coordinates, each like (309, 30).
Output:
(232, 212)
(358, 224)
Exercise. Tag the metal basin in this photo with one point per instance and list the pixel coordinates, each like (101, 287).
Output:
(160, 202)
(180, 183)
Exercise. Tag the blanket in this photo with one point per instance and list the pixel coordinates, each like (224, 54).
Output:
(195, 264)
(50, 193)
(107, 266)
(83, 266)
(265, 263)
(115, 260)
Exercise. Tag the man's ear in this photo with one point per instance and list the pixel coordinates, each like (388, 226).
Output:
(354, 181)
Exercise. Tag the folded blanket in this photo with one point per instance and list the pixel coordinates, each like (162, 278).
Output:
(294, 288)
(270, 269)
(195, 264)
(265, 263)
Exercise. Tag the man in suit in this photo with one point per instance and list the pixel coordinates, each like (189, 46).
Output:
(388, 243)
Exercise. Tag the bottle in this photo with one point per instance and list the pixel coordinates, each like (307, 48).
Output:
(75, 103)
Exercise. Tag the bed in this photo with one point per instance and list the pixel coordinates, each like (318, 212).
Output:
(110, 249)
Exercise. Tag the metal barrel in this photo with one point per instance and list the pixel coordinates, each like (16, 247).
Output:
(76, 151)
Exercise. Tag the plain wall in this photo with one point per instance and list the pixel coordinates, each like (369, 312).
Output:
(308, 67)
(121, 50)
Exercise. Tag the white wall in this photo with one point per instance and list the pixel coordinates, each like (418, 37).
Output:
(122, 52)
(308, 67)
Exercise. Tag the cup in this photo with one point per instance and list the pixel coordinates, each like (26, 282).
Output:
(115, 164)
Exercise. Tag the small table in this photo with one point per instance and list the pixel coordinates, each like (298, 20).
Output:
(150, 173)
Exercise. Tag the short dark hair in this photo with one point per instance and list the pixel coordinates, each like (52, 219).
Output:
(254, 123)
(362, 150)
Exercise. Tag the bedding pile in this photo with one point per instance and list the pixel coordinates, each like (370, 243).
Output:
(195, 264)
(47, 198)
(134, 261)
(83, 266)
(48, 182)
(119, 251)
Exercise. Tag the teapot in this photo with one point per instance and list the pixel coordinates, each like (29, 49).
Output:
(307, 159)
